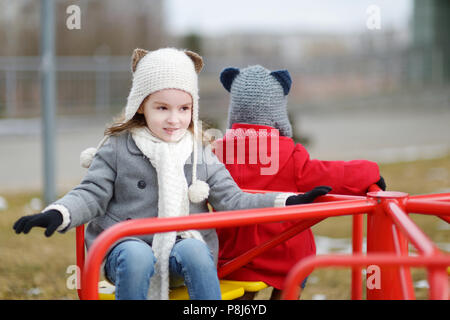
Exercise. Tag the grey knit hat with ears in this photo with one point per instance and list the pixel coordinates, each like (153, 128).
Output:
(258, 96)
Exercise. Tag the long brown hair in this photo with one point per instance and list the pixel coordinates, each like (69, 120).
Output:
(119, 126)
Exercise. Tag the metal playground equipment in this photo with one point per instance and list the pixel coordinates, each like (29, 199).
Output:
(389, 230)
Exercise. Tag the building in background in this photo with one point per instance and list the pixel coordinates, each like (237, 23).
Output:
(431, 27)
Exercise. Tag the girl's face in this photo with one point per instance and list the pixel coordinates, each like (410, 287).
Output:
(168, 113)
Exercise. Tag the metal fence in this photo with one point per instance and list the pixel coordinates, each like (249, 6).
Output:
(84, 84)
(99, 84)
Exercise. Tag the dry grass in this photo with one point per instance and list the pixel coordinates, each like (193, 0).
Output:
(34, 267)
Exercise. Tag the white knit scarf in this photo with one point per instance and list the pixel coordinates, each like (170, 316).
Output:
(168, 158)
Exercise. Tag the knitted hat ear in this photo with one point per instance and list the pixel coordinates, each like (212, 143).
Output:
(284, 78)
(227, 77)
(197, 59)
(136, 57)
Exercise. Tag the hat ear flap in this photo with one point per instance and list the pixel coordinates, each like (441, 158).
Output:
(197, 59)
(227, 77)
(284, 78)
(138, 54)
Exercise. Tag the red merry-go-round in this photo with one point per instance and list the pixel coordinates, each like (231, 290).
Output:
(389, 232)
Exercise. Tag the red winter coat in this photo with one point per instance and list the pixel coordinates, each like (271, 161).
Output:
(296, 173)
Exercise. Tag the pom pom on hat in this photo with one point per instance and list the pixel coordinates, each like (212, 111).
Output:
(198, 191)
(87, 156)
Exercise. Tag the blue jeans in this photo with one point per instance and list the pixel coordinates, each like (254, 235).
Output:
(303, 285)
(130, 266)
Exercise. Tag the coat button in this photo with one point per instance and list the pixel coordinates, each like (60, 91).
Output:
(141, 184)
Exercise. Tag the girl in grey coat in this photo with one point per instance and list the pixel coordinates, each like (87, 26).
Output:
(142, 168)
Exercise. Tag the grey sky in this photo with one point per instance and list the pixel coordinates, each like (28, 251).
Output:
(214, 17)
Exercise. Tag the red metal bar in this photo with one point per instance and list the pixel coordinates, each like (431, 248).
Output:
(307, 265)
(438, 280)
(404, 275)
(421, 242)
(80, 253)
(380, 240)
(325, 198)
(410, 229)
(434, 197)
(244, 258)
(374, 188)
(204, 221)
(440, 208)
(415, 204)
(357, 237)
(338, 197)
(446, 219)
(357, 245)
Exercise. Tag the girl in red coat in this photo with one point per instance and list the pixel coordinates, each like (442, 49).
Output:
(260, 154)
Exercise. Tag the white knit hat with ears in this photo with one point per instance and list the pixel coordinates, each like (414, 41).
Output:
(166, 68)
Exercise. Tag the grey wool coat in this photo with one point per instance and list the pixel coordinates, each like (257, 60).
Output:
(121, 184)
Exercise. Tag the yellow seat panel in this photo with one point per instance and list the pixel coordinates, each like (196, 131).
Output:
(106, 296)
(230, 290)
(106, 291)
(249, 286)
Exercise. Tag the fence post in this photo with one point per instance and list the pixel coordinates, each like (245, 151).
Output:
(11, 93)
(102, 85)
(48, 98)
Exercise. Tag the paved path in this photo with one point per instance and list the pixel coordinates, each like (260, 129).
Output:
(379, 136)
(397, 136)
